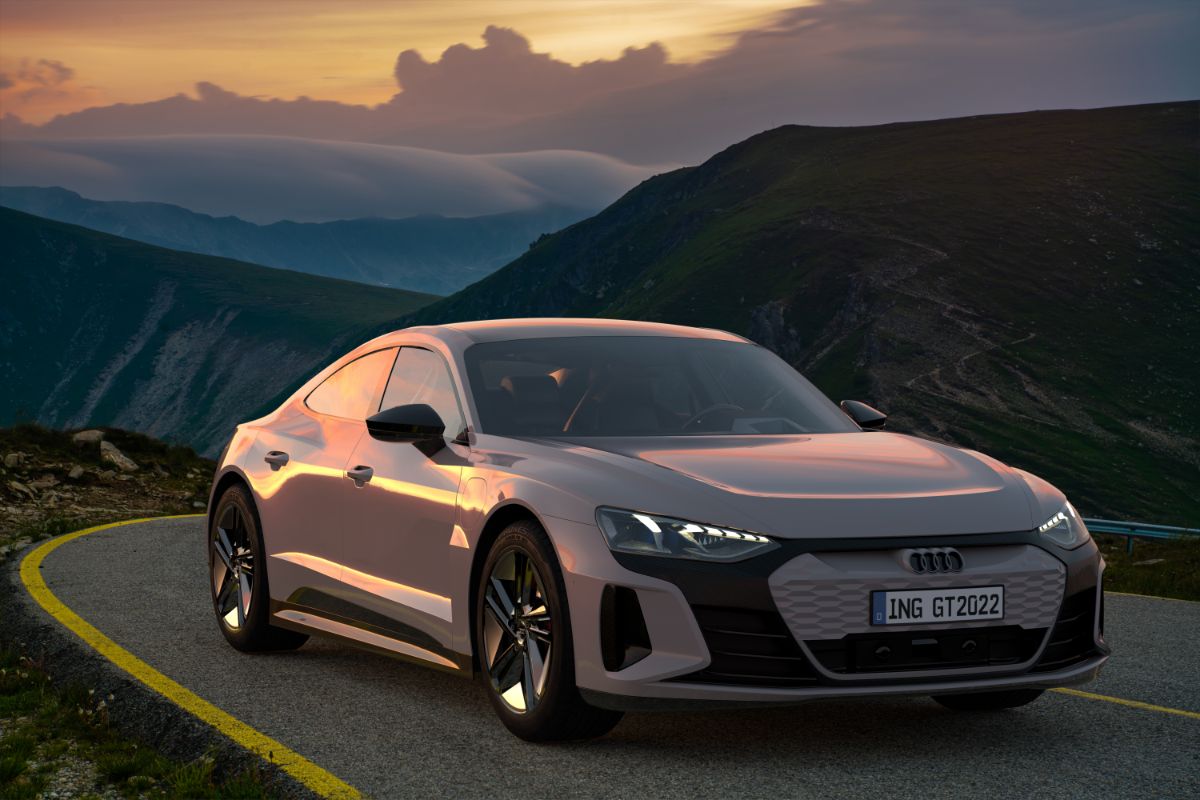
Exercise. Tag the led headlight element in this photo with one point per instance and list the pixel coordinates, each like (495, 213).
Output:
(1065, 528)
(648, 534)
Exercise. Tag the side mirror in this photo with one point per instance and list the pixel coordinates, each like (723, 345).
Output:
(871, 419)
(417, 423)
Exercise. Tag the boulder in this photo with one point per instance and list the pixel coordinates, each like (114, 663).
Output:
(88, 437)
(110, 453)
(12, 460)
(76, 473)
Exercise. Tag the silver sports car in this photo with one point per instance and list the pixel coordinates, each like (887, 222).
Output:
(597, 515)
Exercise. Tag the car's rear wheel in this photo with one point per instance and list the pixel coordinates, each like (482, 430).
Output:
(523, 642)
(989, 701)
(238, 577)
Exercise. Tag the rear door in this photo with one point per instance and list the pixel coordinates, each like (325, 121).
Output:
(400, 521)
(298, 465)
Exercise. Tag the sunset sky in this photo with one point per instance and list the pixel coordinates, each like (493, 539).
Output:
(64, 55)
(212, 105)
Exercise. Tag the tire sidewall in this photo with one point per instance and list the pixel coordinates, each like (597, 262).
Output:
(532, 540)
(257, 621)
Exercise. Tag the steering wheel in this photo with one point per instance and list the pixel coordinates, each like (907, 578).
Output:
(702, 413)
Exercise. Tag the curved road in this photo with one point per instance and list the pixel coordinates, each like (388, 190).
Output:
(395, 730)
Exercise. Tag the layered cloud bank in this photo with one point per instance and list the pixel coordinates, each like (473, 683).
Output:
(830, 63)
(268, 178)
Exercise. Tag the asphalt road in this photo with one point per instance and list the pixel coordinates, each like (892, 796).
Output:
(395, 730)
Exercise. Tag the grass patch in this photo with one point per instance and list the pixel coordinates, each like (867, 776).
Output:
(53, 731)
(1157, 568)
(122, 764)
(15, 751)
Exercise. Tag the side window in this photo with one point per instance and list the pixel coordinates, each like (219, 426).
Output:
(353, 391)
(420, 376)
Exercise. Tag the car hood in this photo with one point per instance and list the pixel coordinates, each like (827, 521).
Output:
(823, 485)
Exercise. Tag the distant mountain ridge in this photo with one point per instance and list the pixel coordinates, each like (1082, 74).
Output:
(1024, 284)
(433, 254)
(99, 330)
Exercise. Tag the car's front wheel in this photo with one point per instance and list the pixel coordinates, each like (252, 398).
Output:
(989, 701)
(523, 641)
(237, 569)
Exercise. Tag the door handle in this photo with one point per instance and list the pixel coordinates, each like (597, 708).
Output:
(277, 459)
(360, 475)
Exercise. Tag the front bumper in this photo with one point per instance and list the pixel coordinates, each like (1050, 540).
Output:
(792, 625)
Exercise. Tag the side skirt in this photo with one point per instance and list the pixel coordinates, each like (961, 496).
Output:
(308, 620)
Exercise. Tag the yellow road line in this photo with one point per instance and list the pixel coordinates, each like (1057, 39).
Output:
(319, 780)
(1121, 701)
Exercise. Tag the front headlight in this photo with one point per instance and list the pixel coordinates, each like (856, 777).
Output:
(648, 534)
(1065, 528)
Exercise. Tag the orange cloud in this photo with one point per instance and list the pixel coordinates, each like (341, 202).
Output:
(480, 81)
(141, 50)
(40, 88)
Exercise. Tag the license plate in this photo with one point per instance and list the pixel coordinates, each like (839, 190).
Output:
(925, 606)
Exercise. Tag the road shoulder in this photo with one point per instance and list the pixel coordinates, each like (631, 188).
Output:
(136, 709)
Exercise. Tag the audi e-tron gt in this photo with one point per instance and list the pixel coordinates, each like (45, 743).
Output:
(595, 515)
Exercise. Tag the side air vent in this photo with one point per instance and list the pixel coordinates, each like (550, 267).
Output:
(624, 640)
(933, 560)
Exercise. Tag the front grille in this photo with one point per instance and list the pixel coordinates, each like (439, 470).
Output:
(749, 648)
(1072, 639)
(942, 649)
(827, 595)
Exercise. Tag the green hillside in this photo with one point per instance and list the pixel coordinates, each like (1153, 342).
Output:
(1025, 284)
(98, 330)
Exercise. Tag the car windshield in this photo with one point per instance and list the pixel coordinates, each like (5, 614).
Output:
(642, 386)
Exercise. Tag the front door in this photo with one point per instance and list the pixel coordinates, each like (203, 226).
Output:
(400, 520)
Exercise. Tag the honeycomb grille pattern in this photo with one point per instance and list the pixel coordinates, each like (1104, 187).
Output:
(828, 595)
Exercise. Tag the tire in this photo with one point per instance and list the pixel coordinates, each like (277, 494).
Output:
(989, 701)
(557, 712)
(235, 534)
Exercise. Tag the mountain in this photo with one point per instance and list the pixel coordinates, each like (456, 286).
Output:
(432, 254)
(98, 330)
(1025, 284)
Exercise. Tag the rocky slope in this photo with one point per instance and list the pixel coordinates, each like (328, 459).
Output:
(98, 330)
(431, 254)
(1026, 284)
(54, 481)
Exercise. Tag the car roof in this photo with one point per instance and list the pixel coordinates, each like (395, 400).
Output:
(499, 330)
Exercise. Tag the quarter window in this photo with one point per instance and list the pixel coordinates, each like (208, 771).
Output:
(421, 376)
(353, 391)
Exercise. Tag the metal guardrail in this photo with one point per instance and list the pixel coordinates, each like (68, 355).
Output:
(1139, 530)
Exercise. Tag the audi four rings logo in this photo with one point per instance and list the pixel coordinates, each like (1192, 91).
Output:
(925, 562)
